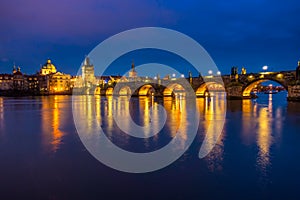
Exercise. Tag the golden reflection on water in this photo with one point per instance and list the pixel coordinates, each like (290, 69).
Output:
(98, 109)
(145, 105)
(108, 112)
(264, 137)
(248, 112)
(211, 109)
(86, 106)
(155, 118)
(148, 111)
(122, 107)
(177, 111)
(151, 118)
(51, 123)
(177, 119)
(257, 127)
(144, 108)
(172, 107)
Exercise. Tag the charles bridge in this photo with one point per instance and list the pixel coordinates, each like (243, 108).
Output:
(236, 86)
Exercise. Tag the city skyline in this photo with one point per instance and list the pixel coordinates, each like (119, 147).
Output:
(251, 33)
(143, 72)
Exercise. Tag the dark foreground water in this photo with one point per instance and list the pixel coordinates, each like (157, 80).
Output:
(257, 155)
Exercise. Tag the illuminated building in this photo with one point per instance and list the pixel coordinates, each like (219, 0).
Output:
(53, 82)
(33, 83)
(18, 82)
(6, 81)
(59, 83)
(15, 81)
(48, 68)
(76, 82)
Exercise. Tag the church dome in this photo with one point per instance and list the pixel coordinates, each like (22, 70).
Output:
(48, 68)
(49, 65)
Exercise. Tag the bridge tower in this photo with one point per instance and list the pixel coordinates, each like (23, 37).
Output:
(88, 73)
(234, 74)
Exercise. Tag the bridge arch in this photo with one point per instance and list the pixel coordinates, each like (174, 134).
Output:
(249, 87)
(146, 90)
(174, 89)
(204, 89)
(125, 91)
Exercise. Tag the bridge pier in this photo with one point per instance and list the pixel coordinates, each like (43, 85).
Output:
(293, 93)
(234, 92)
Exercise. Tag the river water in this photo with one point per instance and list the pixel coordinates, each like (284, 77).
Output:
(256, 156)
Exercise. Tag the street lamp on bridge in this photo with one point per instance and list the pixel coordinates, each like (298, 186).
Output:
(265, 68)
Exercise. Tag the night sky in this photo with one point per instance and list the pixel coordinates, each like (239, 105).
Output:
(249, 33)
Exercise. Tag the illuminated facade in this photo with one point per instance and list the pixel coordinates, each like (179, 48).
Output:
(48, 68)
(53, 82)
(14, 81)
(59, 83)
(33, 83)
(76, 82)
(6, 81)
(18, 83)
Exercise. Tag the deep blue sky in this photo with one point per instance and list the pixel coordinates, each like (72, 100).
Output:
(249, 33)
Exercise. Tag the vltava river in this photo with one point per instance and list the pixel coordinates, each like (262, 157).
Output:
(256, 156)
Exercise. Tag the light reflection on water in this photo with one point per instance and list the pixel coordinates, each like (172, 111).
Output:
(257, 121)
(213, 108)
(262, 123)
(256, 134)
(261, 115)
(144, 111)
(51, 123)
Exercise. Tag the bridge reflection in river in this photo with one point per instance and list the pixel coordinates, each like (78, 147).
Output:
(258, 146)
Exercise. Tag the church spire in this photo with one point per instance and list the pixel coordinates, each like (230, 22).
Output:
(132, 66)
(132, 72)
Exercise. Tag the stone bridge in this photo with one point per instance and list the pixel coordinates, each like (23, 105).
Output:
(238, 86)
